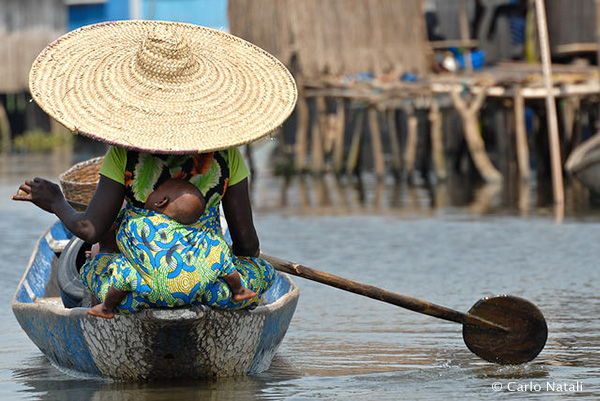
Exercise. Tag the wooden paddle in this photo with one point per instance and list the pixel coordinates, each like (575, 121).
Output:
(503, 329)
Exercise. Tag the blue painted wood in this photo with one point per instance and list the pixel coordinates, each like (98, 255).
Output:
(85, 14)
(38, 274)
(274, 329)
(59, 232)
(210, 13)
(60, 338)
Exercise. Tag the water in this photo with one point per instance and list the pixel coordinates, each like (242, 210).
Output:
(342, 346)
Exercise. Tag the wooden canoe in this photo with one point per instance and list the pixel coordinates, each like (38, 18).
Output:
(584, 164)
(187, 342)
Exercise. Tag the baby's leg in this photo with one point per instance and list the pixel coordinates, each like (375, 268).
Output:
(106, 309)
(240, 292)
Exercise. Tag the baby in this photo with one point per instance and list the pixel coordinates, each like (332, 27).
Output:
(179, 200)
(183, 202)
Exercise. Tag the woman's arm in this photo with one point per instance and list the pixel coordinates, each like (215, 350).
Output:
(238, 212)
(89, 225)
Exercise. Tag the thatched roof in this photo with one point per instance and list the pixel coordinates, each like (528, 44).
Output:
(17, 53)
(337, 37)
(26, 27)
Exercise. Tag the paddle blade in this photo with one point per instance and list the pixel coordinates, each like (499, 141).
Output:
(524, 340)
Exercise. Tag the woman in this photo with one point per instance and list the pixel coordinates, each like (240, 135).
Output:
(174, 100)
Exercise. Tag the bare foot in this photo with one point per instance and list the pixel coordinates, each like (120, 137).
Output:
(243, 294)
(100, 311)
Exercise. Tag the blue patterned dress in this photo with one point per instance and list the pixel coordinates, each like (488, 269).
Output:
(164, 263)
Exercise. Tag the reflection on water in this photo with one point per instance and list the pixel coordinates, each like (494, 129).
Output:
(450, 244)
(15, 168)
(346, 195)
(42, 381)
(352, 194)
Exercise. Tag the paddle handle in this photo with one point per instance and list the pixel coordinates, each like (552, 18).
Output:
(379, 294)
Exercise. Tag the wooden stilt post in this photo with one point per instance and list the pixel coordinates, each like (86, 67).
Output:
(555, 159)
(464, 35)
(524, 198)
(598, 49)
(328, 125)
(5, 133)
(338, 142)
(437, 140)
(394, 142)
(316, 148)
(359, 120)
(598, 36)
(378, 157)
(304, 195)
(521, 135)
(472, 134)
(303, 118)
(571, 106)
(410, 150)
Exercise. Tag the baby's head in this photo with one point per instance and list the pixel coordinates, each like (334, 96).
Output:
(179, 200)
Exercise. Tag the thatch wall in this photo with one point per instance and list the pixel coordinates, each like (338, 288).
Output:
(569, 22)
(337, 37)
(572, 21)
(26, 27)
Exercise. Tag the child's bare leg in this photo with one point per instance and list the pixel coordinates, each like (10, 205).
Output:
(106, 309)
(240, 292)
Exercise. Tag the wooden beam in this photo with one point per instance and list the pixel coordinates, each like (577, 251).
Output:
(472, 134)
(437, 141)
(569, 48)
(301, 131)
(338, 144)
(5, 132)
(412, 138)
(521, 135)
(583, 89)
(555, 158)
(597, 3)
(394, 142)
(377, 148)
(464, 35)
(444, 44)
(317, 132)
(359, 120)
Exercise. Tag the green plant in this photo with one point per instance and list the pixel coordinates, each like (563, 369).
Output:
(40, 141)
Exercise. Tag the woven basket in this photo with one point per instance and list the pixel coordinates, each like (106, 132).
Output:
(79, 182)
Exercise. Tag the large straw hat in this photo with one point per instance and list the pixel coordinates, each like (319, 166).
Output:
(162, 87)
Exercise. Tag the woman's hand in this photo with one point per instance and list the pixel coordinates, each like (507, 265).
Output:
(89, 225)
(43, 193)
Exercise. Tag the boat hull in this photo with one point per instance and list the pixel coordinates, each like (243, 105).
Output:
(584, 164)
(188, 342)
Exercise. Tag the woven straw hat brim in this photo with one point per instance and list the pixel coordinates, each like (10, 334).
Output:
(162, 87)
